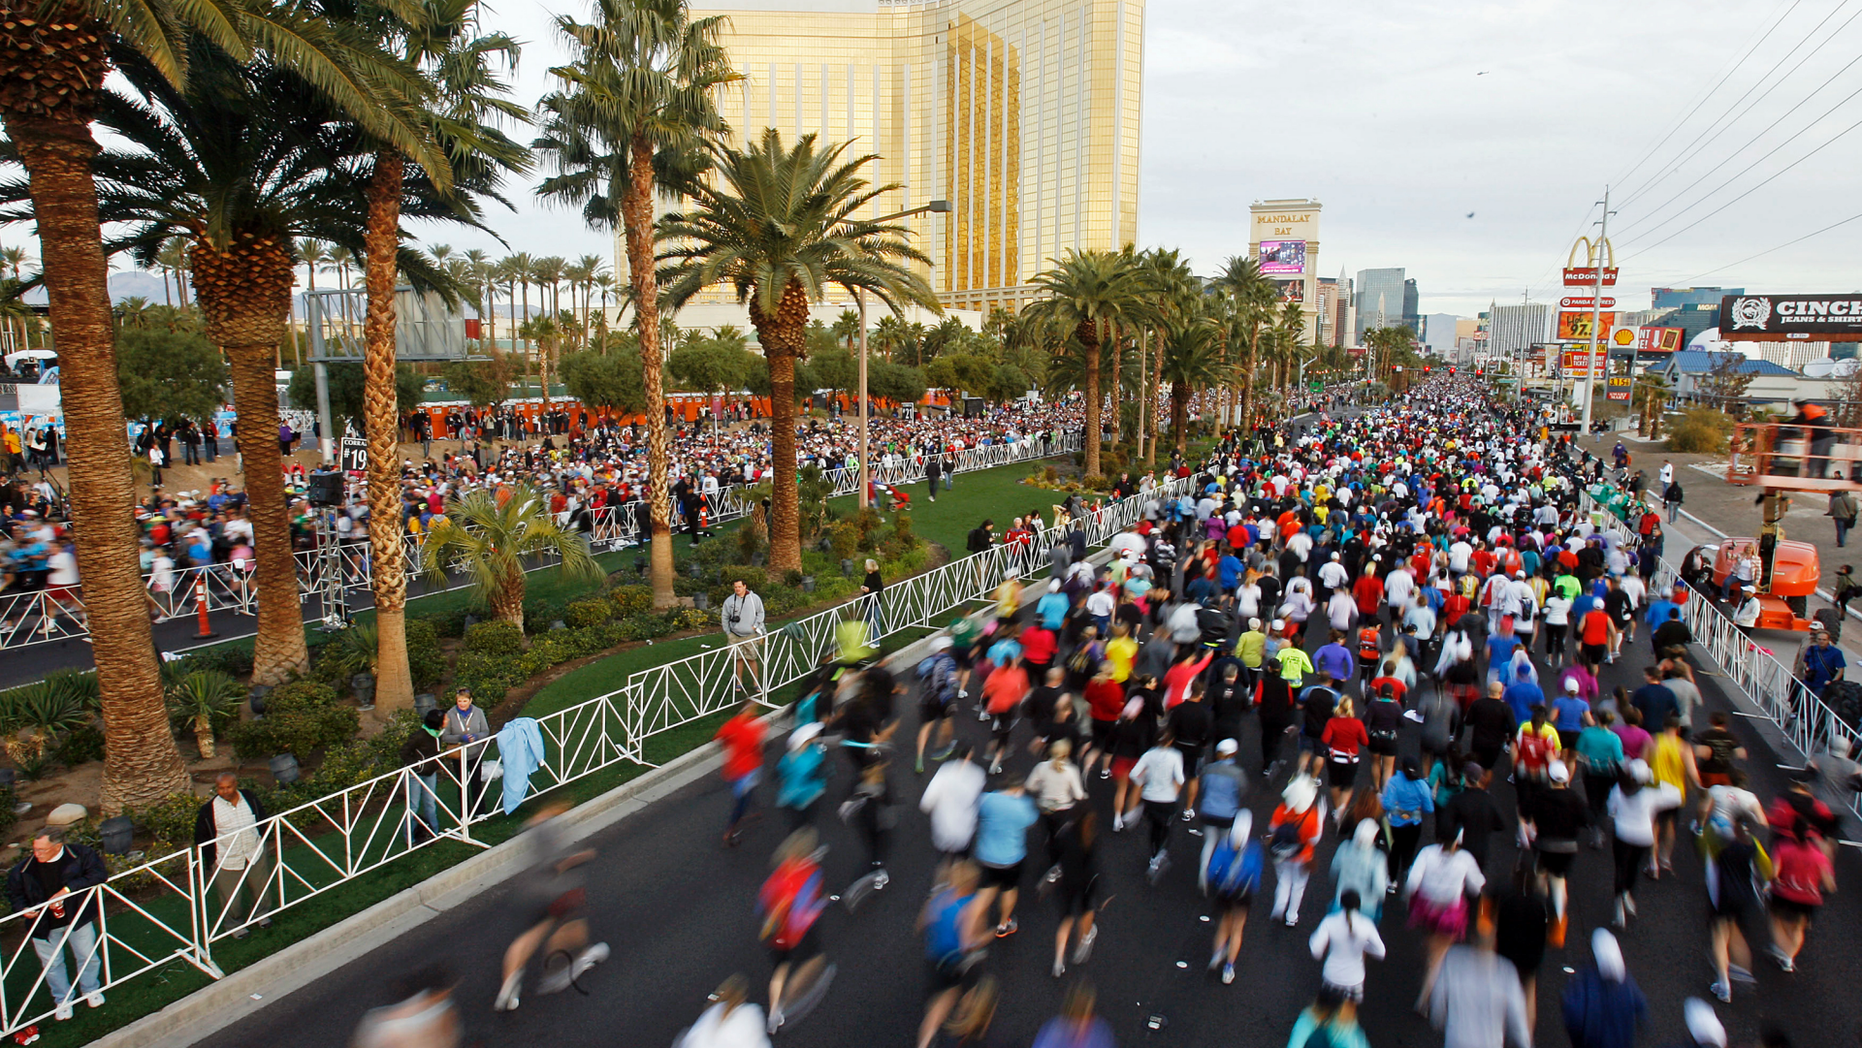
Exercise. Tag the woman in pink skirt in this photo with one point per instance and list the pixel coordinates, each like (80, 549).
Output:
(1442, 880)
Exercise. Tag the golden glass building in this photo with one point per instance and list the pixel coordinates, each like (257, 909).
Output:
(1024, 114)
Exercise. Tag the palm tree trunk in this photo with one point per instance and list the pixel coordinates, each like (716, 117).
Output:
(1089, 342)
(637, 222)
(783, 338)
(1157, 383)
(394, 682)
(1247, 378)
(245, 297)
(141, 763)
(1180, 413)
(1118, 407)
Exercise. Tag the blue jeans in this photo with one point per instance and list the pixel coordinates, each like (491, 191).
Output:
(51, 950)
(1674, 511)
(931, 479)
(1842, 528)
(423, 801)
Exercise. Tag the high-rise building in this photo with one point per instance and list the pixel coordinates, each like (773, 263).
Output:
(1678, 297)
(1024, 114)
(1438, 333)
(1513, 329)
(1412, 307)
(1335, 311)
(1380, 298)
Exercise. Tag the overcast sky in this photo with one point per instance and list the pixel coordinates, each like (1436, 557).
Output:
(1382, 112)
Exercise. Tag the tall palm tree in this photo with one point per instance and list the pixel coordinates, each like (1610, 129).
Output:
(457, 67)
(239, 162)
(1192, 360)
(1082, 296)
(546, 273)
(1174, 294)
(518, 268)
(54, 59)
(490, 539)
(1252, 294)
(342, 260)
(478, 269)
(846, 328)
(777, 224)
(635, 109)
(312, 253)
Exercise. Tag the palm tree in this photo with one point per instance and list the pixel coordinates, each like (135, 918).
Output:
(478, 270)
(846, 328)
(1082, 296)
(341, 261)
(54, 59)
(134, 313)
(518, 268)
(1192, 361)
(1253, 297)
(489, 538)
(604, 282)
(636, 108)
(777, 223)
(463, 93)
(1174, 294)
(240, 162)
(312, 253)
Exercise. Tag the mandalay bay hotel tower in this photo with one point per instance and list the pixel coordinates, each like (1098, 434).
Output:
(1024, 114)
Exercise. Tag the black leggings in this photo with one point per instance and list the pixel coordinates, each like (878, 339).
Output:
(1554, 641)
(1597, 792)
(1629, 860)
(1403, 841)
(1158, 815)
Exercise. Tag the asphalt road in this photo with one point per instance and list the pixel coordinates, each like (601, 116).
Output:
(679, 911)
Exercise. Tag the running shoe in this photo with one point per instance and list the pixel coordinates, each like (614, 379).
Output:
(1228, 974)
(918, 765)
(507, 995)
(1105, 773)
(1721, 991)
(1060, 968)
(1008, 928)
(944, 754)
(1189, 815)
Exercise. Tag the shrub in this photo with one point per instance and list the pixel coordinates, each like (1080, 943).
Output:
(300, 696)
(299, 731)
(488, 674)
(750, 540)
(425, 661)
(843, 538)
(204, 702)
(80, 684)
(170, 819)
(83, 745)
(792, 578)
(756, 578)
(632, 600)
(589, 612)
(692, 619)
(496, 637)
(538, 614)
(1700, 430)
(234, 660)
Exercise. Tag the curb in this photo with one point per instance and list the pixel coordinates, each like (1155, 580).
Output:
(250, 989)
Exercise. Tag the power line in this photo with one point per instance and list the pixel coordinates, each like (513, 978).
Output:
(1710, 92)
(1705, 196)
(1779, 247)
(1745, 194)
(1689, 150)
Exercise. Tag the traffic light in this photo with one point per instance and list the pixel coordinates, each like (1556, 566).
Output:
(1480, 372)
(1451, 371)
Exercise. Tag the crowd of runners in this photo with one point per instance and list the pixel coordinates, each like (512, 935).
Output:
(1364, 665)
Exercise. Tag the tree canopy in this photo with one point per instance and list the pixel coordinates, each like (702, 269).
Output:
(169, 374)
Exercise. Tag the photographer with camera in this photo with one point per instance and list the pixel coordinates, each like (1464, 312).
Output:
(743, 627)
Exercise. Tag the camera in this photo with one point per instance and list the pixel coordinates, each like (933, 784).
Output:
(733, 619)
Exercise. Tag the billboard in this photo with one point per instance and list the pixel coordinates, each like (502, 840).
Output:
(1660, 339)
(1618, 387)
(1283, 258)
(1573, 360)
(1777, 318)
(1293, 291)
(1574, 325)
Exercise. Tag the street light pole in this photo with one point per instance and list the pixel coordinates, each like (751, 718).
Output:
(859, 295)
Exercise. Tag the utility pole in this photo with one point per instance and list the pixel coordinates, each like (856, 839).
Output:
(1596, 311)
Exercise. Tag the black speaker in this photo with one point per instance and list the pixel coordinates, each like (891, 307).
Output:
(326, 488)
(973, 407)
